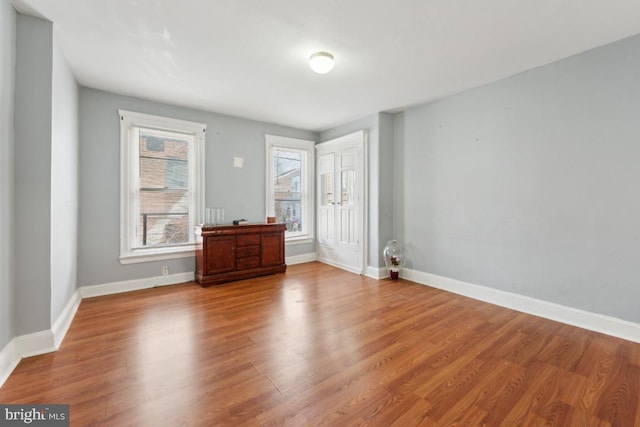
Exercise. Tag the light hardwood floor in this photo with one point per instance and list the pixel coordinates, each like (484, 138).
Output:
(320, 346)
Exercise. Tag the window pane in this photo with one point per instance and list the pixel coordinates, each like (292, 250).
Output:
(326, 189)
(163, 229)
(163, 193)
(177, 174)
(155, 143)
(164, 201)
(287, 173)
(348, 187)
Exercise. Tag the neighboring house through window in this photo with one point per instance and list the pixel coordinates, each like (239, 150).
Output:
(289, 189)
(162, 186)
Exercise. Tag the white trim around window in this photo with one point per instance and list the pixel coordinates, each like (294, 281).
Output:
(131, 124)
(307, 152)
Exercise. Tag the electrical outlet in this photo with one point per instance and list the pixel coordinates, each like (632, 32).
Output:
(165, 270)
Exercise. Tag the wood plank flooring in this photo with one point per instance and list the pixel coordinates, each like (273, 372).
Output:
(320, 346)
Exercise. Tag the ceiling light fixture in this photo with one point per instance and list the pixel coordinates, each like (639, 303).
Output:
(321, 62)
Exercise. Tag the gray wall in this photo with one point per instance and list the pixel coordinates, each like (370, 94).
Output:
(64, 183)
(32, 166)
(530, 184)
(386, 173)
(7, 91)
(241, 192)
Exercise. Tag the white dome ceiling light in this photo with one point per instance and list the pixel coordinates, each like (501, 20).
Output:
(321, 62)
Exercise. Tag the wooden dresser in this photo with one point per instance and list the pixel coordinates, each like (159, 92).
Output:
(233, 252)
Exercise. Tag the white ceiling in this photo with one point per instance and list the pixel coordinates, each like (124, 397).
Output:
(248, 58)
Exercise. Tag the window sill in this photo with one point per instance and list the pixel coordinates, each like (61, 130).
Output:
(299, 240)
(157, 256)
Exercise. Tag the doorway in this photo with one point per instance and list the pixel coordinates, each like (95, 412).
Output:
(341, 212)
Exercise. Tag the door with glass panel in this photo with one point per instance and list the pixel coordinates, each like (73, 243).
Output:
(340, 202)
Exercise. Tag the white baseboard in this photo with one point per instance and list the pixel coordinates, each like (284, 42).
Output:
(9, 359)
(49, 340)
(63, 322)
(376, 272)
(135, 285)
(560, 313)
(300, 259)
(39, 342)
(36, 343)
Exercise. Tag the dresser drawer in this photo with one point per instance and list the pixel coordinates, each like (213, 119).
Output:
(251, 262)
(247, 251)
(215, 231)
(247, 239)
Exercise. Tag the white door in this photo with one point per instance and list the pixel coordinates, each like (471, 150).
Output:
(340, 213)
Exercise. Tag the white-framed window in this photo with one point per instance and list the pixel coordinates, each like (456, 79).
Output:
(289, 182)
(161, 186)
